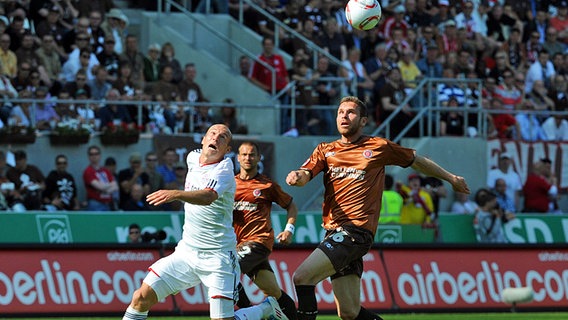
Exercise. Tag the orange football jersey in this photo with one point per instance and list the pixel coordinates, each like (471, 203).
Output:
(251, 211)
(353, 171)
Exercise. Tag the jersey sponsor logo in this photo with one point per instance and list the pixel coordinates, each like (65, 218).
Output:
(329, 154)
(367, 154)
(256, 193)
(347, 172)
(244, 206)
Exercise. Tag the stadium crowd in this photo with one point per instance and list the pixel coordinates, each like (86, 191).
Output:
(76, 50)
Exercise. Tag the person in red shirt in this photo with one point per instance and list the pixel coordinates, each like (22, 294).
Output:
(253, 227)
(540, 190)
(99, 183)
(354, 174)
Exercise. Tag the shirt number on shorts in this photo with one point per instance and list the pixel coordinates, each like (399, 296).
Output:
(339, 237)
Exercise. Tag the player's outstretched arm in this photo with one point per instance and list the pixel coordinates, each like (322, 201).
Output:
(431, 168)
(298, 178)
(199, 197)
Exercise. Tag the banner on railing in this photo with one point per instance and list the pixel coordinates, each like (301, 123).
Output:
(525, 154)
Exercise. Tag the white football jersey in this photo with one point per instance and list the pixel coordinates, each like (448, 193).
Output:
(210, 227)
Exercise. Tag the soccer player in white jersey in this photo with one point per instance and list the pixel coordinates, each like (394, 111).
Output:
(207, 251)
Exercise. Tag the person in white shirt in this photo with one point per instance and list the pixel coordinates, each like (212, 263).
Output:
(463, 205)
(506, 172)
(555, 128)
(207, 251)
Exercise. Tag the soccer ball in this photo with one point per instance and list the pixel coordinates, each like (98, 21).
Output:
(363, 14)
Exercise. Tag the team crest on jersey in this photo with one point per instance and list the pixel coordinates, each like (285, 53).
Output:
(329, 154)
(256, 193)
(367, 154)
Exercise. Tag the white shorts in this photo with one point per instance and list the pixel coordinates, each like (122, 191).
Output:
(186, 268)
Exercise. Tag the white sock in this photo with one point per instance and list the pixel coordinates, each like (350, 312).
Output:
(253, 313)
(133, 314)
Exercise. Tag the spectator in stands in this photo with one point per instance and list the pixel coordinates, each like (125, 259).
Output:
(397, 41)
(155, 179)
(541, 190)
(67, 112)
(10, 198)
(228, 117)
(36, 81)
(500, 67)
(396, 21)
(111, 113)
(22, 114)
(202, 120)
(418, 206)
(168, 58)
(166, 87)
(489, 219)
(115, 24)
(358, 81)
(514, 49)
(189, 90)
(560, 21)
(327, 92)
(392, 203)
(97, 33)
(388, 98)
(499, 20)
(83, 59)
(245, 65)
(16, 32)
(124, 83)
(52, 24)
(463, 204)
(86, 6)
(505, 171)
(542, 69)
(60, 187)
(136, 200)
(505, 125)
(100, 86)
(430, 66)
(450, 43)
(506, 91)
(7, 91)
(26, 52)
(80, 83)
(109, 59)
(539, 98)
(70, 40)
(88, 113)
(133, 175)
(50, 60)
(555, 128)
(261, 76)
(28, 179)
(45, 116)
(332, 40)
(452, 122)
(134, 234)
(375, 65)
(99, 182)
(134, 58)
(528, 123)
(8, 58)
(450, 89)
(111, 166)
(166, 169)
(152, 63)
(506, 203)
(471, 20)
(552, 45)
(408, 69)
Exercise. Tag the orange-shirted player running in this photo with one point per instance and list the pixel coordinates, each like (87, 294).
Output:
(251, 221)
(354, 171)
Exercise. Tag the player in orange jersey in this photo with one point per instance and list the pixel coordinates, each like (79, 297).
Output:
(251, 220)
(354, 169)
